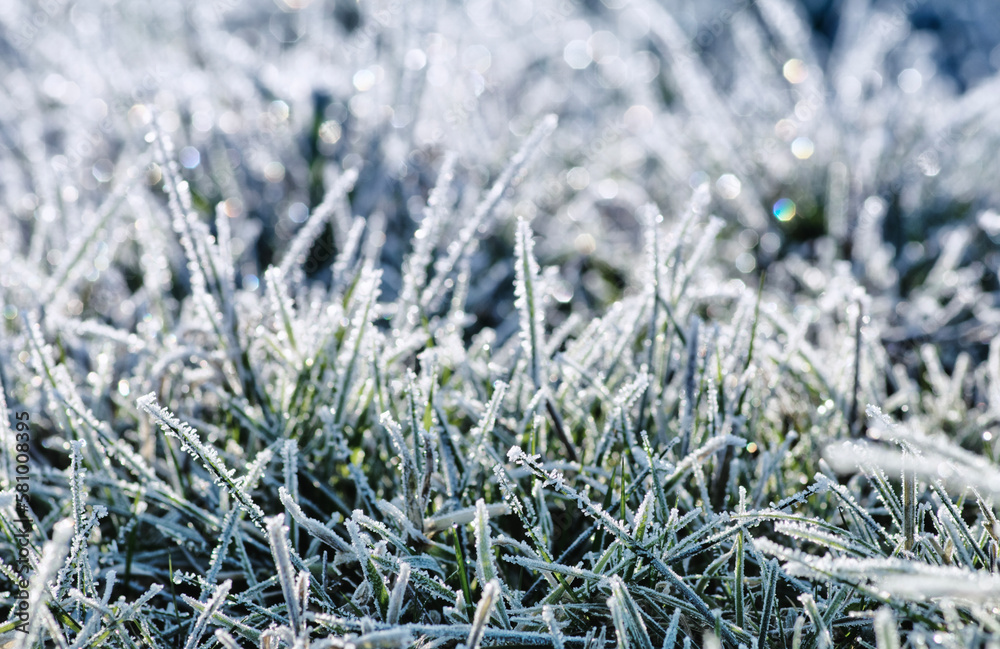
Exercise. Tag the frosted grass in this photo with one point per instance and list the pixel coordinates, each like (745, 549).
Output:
(453, 324)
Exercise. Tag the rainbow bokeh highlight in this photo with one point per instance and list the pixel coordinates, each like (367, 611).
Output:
(784, 209)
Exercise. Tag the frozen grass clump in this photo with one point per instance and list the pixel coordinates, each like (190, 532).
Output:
(387, 325)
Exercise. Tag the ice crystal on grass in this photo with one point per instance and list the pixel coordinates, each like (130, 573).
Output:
(529, 303)
(277, 537)
(192, 444)
(306, 237)
(39, 590)
(206, 614)
(493, 325)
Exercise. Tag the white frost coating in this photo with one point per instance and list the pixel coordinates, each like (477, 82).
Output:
(491, 593)
(277, 537)
(192, 444)
(53, 554)
(305, 237)
(206, 614)
(514, 453)
(949, 466)
(398, 593)
(529, 302)
(464, 244)
(462, 517)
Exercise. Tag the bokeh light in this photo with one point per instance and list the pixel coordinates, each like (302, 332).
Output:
(795, 71)
(802, 148)
(784, 209)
